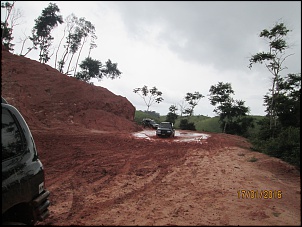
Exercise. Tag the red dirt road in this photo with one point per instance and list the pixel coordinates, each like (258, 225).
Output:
(107, 178)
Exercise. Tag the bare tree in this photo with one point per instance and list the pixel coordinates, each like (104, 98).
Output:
(149, 95)
(87, 29)
(71, 22)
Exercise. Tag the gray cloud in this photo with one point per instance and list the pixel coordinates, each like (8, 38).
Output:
(223, 33)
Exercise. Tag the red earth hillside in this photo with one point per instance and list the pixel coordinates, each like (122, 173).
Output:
(49, 99)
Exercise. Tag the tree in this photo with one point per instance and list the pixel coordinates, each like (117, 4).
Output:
(6, 37)
(41, 33)
(192, 99)
(186, 125)
(220, 94)
(78, 30)
(149, 95)
(70, 22)
(95, 69)
(172, 116)
(182, 105)
(8, 24)
(86, 29)
(288, 100)
(279, 133)
(273, 60)
(232, 113)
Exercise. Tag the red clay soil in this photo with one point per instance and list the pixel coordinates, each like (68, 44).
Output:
(99, 173)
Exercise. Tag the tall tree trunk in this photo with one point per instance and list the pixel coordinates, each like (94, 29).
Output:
(224, 128)
(58, 49)
(69, 64)
(75, 69)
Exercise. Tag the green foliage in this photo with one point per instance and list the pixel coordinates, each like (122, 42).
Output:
(279, 131)
(220, 93)
(6, 29)
(172, 116)
(186, 125)
(90, 69)
(287, 100)
(285, 145)
(273, 59)
(260, 58)
(202, 123)
(232, 113)
(109, 70)
(192, 99)
(94, 69)
(152, 114)
(41, 32)
(277, 45)
(282, 140)
(78, 29)
(252, 131)
(206, 124)
(6, 36)
(240, 126)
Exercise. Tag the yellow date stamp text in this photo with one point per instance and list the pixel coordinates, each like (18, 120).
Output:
(259, 194)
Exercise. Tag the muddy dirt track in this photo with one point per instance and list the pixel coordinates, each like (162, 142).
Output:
(106, 178)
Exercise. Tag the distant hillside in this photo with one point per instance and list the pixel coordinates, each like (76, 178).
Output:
(202, 123)
(49, 99)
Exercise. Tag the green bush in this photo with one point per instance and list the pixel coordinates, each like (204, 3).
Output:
(285, 145)
(186, 125)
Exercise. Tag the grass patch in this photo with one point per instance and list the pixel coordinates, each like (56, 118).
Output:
(253, 159)
(276, 214)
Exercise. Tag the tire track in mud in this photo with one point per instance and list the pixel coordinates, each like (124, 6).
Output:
(85, 173)
(136, 177)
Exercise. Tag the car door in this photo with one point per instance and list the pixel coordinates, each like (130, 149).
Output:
(22, 173)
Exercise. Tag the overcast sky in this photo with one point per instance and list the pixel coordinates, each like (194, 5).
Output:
(178, 46)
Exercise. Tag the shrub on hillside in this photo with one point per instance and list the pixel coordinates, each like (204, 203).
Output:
(186, 125)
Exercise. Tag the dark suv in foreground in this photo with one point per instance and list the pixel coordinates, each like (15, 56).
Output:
(165, 129)
(24, 197)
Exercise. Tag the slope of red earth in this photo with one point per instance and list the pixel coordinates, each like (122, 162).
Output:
(100, 173)
(48, 99)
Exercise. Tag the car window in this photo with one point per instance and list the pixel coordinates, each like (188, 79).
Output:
(165, 125)
(11, 138)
